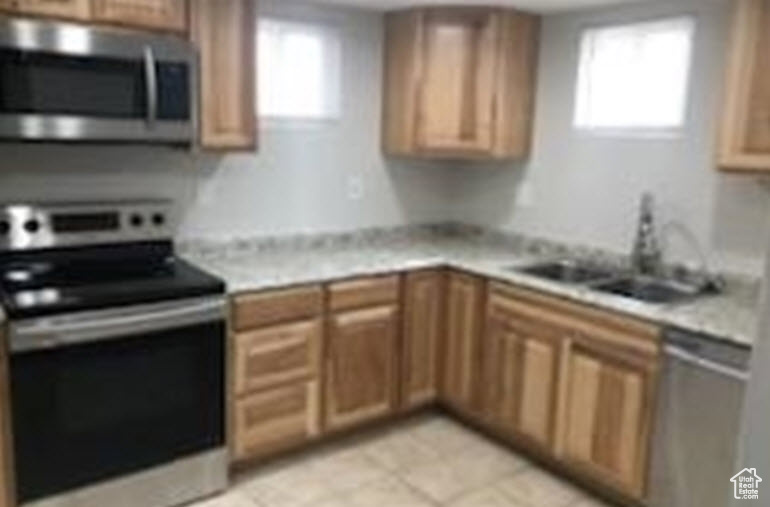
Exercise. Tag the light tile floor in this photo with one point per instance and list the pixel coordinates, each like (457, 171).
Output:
(425, 461)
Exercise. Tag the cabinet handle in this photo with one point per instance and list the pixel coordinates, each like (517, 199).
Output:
(151, 81)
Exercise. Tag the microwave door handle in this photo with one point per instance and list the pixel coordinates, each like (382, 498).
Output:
(151, 82)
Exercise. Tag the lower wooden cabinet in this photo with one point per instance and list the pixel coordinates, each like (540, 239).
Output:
(277, 355)
(275, 370)
(521, 372)
(609, 410)
(422, 336)
(462, 350)
(564, 380)
(360, 371)
(274, 419)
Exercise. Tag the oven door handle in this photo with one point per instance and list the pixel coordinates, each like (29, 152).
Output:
(88, 327)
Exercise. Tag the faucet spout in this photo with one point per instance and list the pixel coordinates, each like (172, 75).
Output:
(647, 256)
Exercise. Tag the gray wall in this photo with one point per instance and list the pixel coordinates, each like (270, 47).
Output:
(300, 180)
(574, 187)
(581, 188)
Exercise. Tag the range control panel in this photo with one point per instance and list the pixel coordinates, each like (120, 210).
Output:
(36, 226)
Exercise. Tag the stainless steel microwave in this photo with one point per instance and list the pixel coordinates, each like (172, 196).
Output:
(72, 83)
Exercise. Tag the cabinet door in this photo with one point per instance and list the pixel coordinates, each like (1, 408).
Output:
(225, 34)
(463, 341)
(458, 90)
(521, 376)
(745, 137)
(71, 9)
(361, 365)
(275, 419)
(277, 355)
(155, 14)
(608, 416)
(423, 315)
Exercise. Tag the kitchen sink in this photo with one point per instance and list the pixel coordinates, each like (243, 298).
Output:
(568, 272)
(649, 290)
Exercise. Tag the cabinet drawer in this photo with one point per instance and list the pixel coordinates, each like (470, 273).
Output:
(363, 292)
(275, 419)
(265, 308)
(277, 355)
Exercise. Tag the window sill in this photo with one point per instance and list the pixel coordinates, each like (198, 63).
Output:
(632, 134)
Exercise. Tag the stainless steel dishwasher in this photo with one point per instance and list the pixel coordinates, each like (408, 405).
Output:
(698, 421)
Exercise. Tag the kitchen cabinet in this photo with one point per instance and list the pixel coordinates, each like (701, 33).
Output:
(276, 363)
(521, 370)
(422, 336)
(459, 83)
(745, 135)
(572, 382)
(462, 351)
(608, 415)
(274, 419)
(66, 9)
(225, 35)
(168, 15)
(361, 351)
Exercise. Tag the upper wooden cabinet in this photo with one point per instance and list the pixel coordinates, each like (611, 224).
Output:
(154, 14)
(166, 15)
(745, 137)
(462, 350)
(422, 336)
(225, 32)
(67, 9)
(459, 83)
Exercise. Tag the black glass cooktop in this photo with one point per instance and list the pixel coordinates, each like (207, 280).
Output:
(34, 284)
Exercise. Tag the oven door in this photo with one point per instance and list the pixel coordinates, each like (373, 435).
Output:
(64, 82)
(100, 395)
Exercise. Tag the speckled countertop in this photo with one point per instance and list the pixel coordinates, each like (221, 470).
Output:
(249, 267)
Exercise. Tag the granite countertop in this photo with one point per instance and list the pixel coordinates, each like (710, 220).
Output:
(730, 316)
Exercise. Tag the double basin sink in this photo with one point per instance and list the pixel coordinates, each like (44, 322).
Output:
(617, 282)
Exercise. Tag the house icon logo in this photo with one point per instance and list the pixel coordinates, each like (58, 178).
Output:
(746, 484)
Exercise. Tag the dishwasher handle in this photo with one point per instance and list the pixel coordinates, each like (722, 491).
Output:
(684, 356)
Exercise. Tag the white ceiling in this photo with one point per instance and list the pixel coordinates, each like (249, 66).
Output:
(543, 6)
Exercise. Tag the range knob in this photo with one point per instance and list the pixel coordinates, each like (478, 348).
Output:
(5, 227)
(137, 220)
(32, 225)
(159, 219)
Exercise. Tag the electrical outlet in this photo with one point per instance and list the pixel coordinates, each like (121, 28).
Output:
(355, 188)
(525, 195)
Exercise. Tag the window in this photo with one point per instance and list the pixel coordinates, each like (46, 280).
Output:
(635, 77)
(299, 68)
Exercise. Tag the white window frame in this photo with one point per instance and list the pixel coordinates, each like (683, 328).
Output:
(331, 81)
(580, 123)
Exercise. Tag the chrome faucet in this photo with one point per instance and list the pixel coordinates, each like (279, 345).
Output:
(647, 256)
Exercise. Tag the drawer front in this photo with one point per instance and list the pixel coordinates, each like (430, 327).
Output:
(266, 308)
(272, 420)
(363, 292)
(277, 355)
